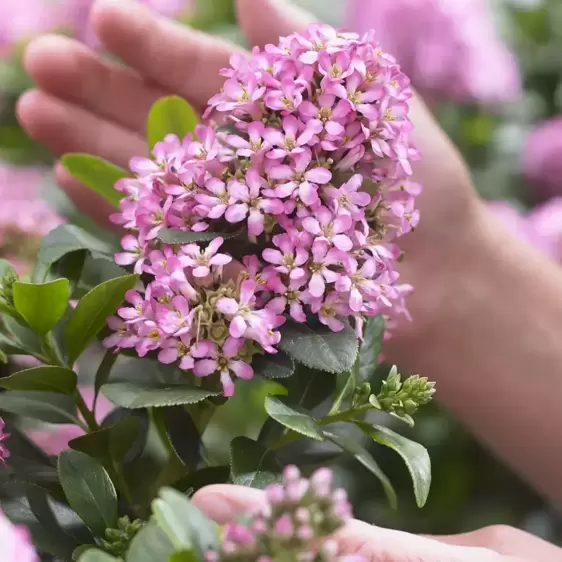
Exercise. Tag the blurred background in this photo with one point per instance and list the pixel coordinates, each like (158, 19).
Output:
(491, 70)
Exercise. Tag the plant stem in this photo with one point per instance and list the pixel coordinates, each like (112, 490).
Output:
(348, 415)
(49, 350)
(85, 411)
(122, 483)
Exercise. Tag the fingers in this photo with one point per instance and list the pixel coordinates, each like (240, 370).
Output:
(509, 541)
(224, 503)
(177, 58)
(70, 71)
(64, 127)
(265, 21)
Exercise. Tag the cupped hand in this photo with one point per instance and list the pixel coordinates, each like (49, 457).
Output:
(84, 103)
(225, 503)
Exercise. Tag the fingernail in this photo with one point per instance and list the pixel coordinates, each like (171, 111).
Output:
(224, 503)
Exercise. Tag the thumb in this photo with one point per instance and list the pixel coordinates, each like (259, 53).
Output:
(265, 21)
(224, 503)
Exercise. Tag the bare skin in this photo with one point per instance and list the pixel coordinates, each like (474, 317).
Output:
(487, 309)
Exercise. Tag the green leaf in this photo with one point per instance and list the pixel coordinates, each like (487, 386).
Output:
(97, 174)
(70, 267)
(129, 395)
(320, 348)
(252, 464)
(203, 477)
(273, 366)
(89, 553)
(41, 305)
(102, 374)
(67, 239)
(151, 544)
(345, 387)
(112, 442)
(129, 433)
(183, 556)
(310, 387)
(41, 508)
(364, 457)
(89, 490)
(44, 379)
(5, 267)
(183, 522)
(293, 418)
(22, 337)
(183, 435)
(370, 348)
(415, 456)
(170, 115)
(44, 406)
(90, 315)
(171, 236)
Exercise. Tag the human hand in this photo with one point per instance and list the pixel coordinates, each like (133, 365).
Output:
(86, 104)
(225, 503)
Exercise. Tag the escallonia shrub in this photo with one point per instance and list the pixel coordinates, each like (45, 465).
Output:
(237, 326)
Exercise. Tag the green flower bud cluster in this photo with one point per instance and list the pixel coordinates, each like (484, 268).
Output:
(6, 286)
(117, 540)
(403, 398)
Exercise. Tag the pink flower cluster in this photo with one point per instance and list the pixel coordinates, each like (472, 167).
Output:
(541, 227)
(15, 542)
(449, 48)
(24, 217)
(315, 122)
(4, 451)
(295, 519)
(542, 158)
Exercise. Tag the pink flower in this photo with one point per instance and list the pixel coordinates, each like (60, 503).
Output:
(134, 254)
(4, 451)
(250, 204)
(225, 362)
(291, 257)
(15, 542)
(329, 228)
(348, 199)
(203, 260)
(542, 158)
(287, 98)
(255, 142)
(322, 258)
(289, 295)
(450, 48)
(302, 180)
(325, 115)
(289, 140)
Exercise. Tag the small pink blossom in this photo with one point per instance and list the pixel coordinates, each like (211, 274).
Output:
(225, 363)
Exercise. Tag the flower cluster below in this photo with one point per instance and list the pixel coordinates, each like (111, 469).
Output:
(294, 522)
(309, 160)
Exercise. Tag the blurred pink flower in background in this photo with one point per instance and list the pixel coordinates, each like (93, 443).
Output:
(541, 227)
(449, 48)
(21, 20)
(15, 542)
(24, 217)
(55, 439)
(542, 158)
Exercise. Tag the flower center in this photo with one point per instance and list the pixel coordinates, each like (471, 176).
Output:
(287, 102)
(325, 114)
